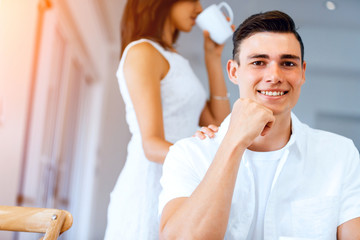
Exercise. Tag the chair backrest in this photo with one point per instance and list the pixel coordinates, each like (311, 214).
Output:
(52, 222)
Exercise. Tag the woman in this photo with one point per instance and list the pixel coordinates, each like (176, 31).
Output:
(164, 102)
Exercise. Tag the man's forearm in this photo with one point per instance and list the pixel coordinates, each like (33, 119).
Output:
(205, 214)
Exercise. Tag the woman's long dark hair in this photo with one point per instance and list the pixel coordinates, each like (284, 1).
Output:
(145, 19)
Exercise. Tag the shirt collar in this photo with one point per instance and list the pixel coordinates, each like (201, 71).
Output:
(296, 139)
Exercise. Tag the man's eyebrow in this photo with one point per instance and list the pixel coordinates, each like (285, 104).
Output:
(258, 56)
(265, 56)
(290, 56)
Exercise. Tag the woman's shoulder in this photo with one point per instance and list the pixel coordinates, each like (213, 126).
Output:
(145, 46)
(145, 50)
(143, 54)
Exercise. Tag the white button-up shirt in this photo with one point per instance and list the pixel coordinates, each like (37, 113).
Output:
(315, 189)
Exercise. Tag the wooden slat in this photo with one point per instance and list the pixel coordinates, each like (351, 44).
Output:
(41, 220)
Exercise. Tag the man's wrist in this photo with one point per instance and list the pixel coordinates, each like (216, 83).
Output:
(235, 143)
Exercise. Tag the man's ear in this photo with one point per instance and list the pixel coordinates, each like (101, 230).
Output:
(232, 67)
(303, 72)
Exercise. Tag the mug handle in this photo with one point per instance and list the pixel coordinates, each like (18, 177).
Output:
(228, 9)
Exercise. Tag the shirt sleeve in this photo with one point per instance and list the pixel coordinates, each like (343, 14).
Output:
(180, 176)
(350, 197)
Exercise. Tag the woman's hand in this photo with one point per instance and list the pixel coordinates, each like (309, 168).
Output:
(212, 49)
(206, 131)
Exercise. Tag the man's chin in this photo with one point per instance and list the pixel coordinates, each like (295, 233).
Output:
(280, 112)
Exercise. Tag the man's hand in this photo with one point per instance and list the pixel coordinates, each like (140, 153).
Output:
(249, 120)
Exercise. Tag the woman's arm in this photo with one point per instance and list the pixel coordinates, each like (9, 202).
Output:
(144, 67)
(218, 106)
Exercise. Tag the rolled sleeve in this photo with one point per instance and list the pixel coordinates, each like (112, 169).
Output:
(350, 197)
(179, 177)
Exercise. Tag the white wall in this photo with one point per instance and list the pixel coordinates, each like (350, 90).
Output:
(17, 37)
(16, 52)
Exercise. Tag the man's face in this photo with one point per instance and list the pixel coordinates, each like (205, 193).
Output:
(270, 70)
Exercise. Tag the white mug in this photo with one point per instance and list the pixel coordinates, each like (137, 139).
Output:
(214, 21)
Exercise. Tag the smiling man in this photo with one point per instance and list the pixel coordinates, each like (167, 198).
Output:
(265, 175)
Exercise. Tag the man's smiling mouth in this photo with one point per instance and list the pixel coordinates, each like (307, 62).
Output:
(273, 93)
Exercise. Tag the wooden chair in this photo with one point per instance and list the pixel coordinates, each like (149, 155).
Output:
(52, 222)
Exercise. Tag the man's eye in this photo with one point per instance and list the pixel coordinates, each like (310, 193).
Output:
(289, 64)
(258, 63)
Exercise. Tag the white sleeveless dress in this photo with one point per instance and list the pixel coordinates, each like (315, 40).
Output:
(133, 208)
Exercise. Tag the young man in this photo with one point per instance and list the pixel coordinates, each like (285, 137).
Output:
(265, 175)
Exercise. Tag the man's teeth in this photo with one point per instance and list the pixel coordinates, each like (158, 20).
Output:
(272, 93)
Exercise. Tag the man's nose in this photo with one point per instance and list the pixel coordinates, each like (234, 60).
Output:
(274, 74)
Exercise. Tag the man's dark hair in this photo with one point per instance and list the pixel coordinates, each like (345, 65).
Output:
(272, 21)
